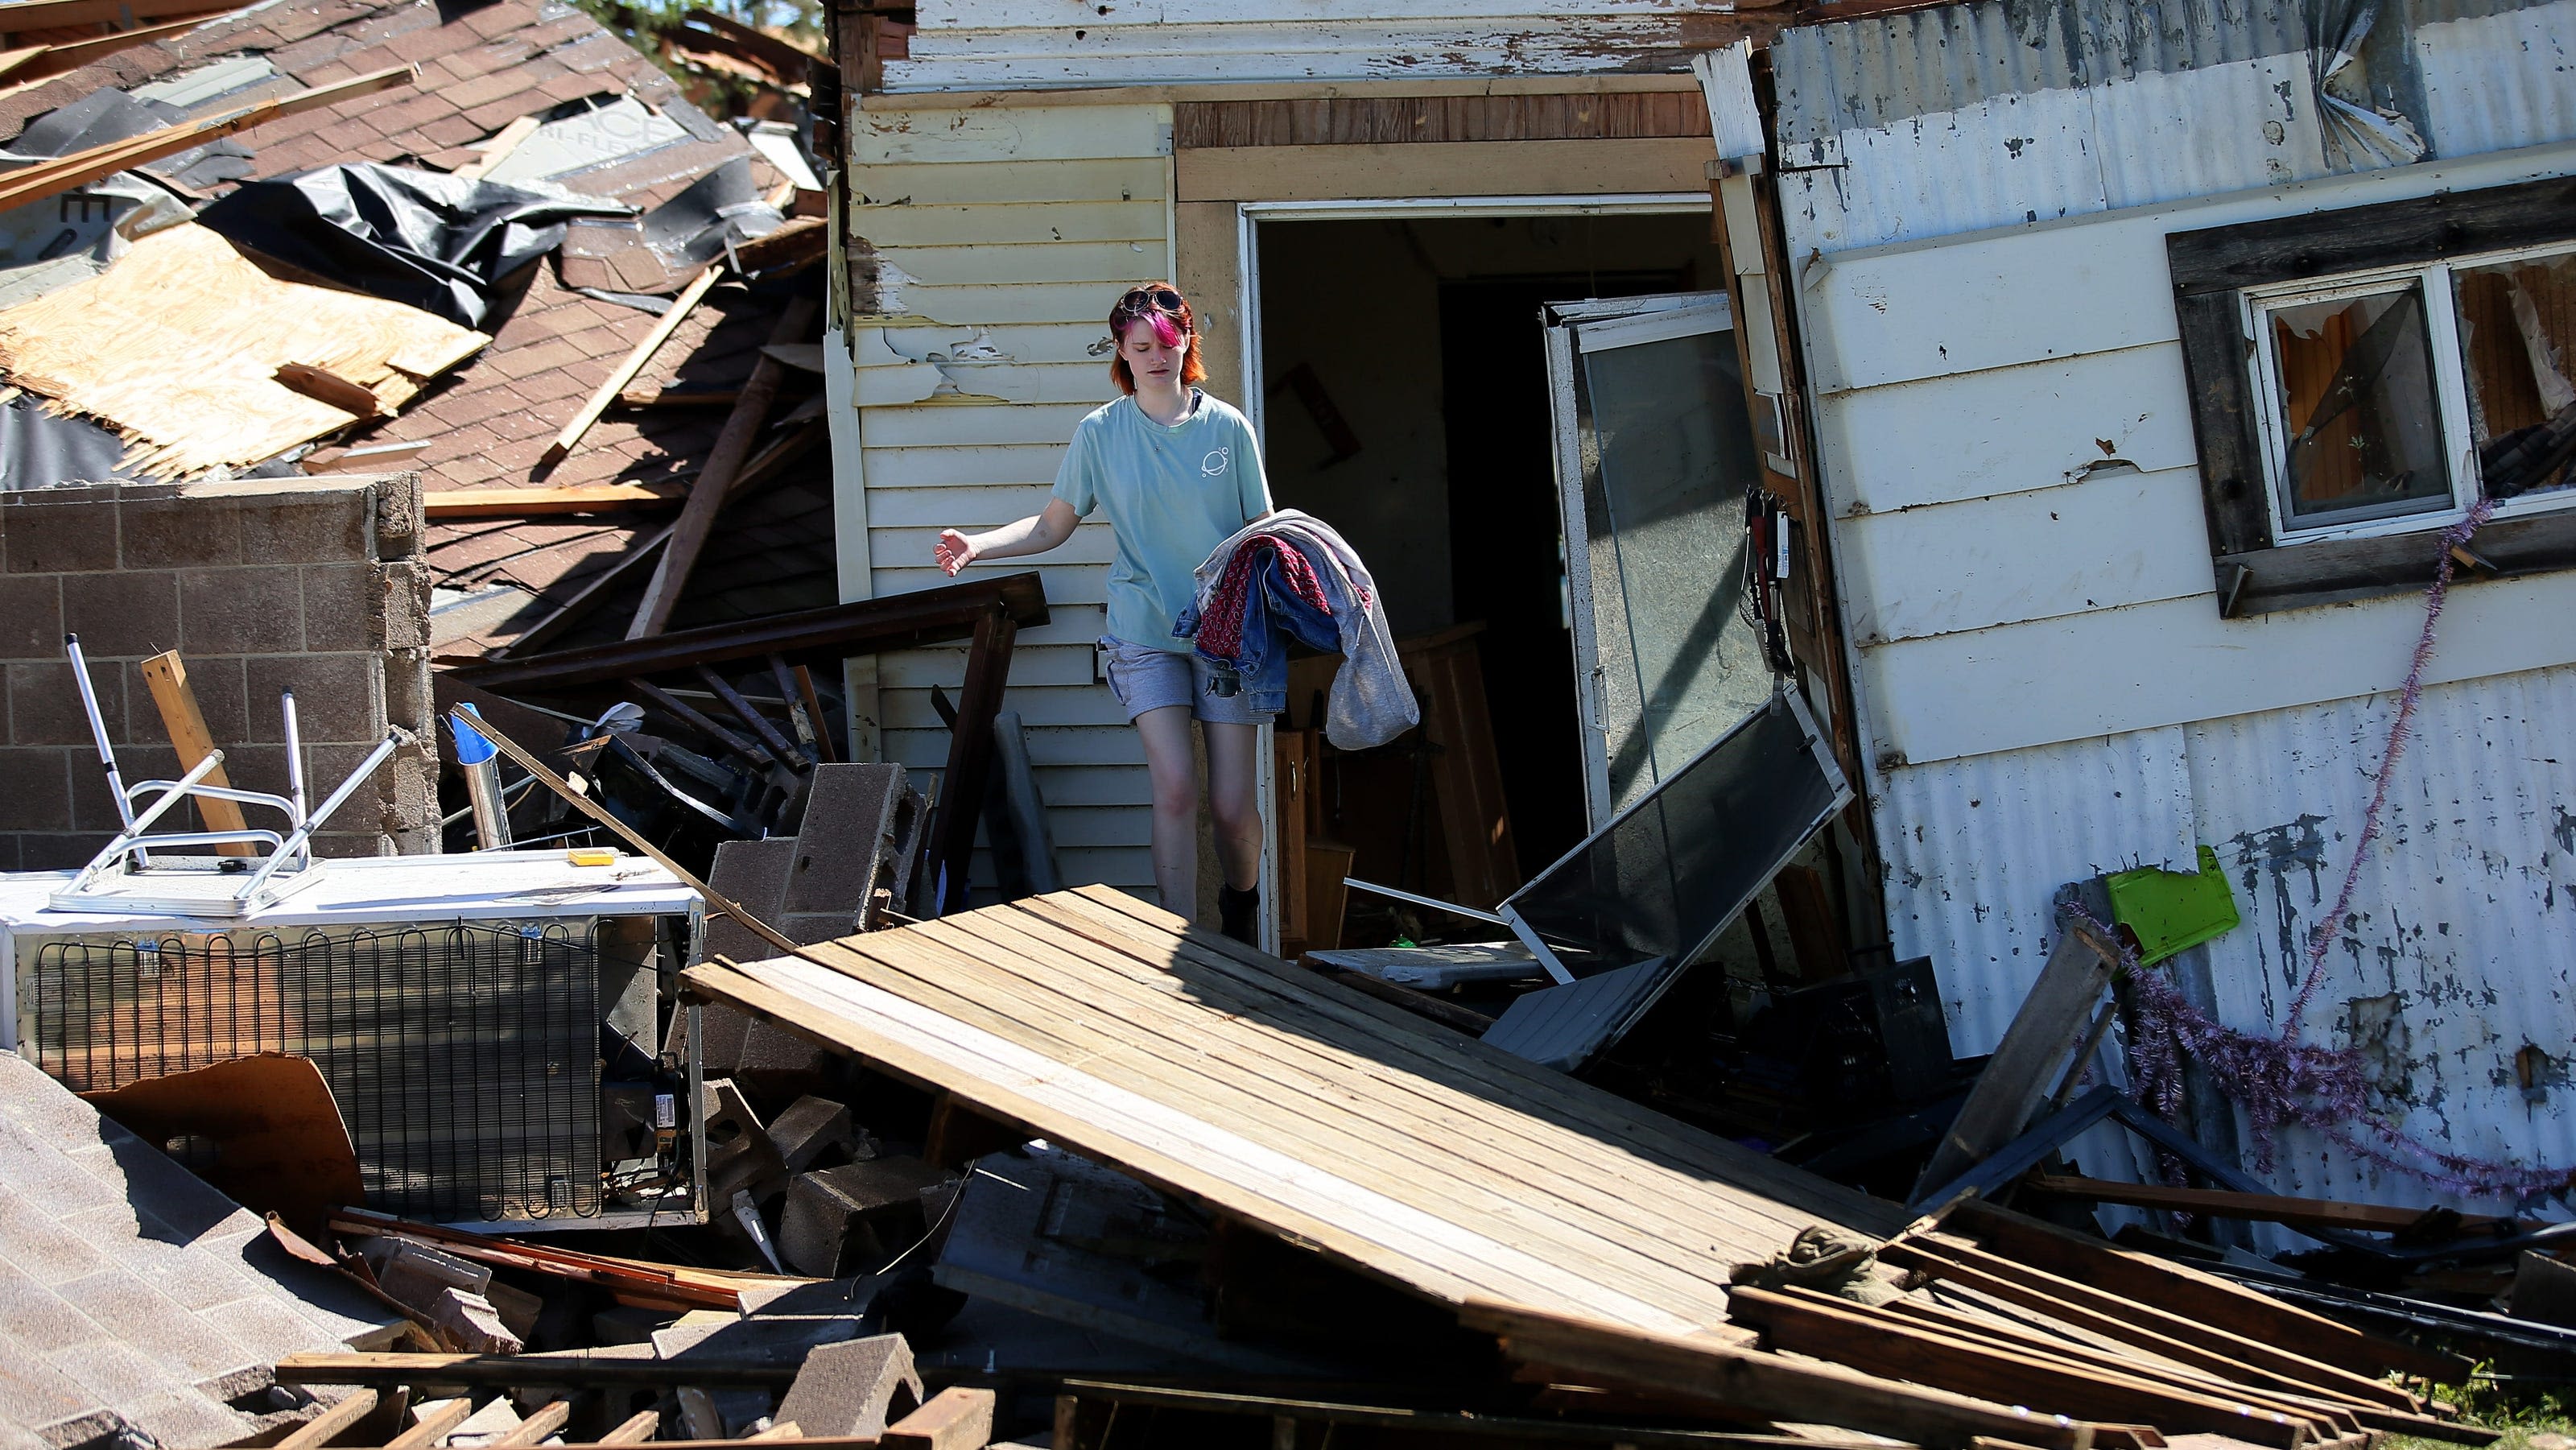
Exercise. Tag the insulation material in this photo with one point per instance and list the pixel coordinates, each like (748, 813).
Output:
(178, 345)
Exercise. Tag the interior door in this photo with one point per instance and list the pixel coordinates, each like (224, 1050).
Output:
(1654, 454)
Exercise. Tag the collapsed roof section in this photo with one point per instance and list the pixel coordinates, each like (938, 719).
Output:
(526, 129)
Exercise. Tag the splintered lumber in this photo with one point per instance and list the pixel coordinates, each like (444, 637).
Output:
(2102, 1312)
(167, 677)
(633, 1282)
(1815, 1326)
(31, 15)
(1767, 1386)
(579, 498)
(62, 173)
(2204, 1298)
(323, 1427)
(724, 459)
(624, 373)
(581, 1369)
(37, 62)
(1420, 1157)
(179, 344)
(2270, 1208)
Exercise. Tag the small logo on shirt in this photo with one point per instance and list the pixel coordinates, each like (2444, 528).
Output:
(1215, 462)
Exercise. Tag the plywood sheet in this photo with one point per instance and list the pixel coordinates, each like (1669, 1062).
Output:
(1398, 1147)
(177, 347)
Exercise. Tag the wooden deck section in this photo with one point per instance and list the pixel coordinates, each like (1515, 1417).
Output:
(1403, 1149)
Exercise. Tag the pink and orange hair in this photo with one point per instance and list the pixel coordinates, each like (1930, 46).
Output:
(1171, 320)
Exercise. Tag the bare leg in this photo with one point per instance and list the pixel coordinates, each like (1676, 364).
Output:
(1234, 800)
(1166, 734)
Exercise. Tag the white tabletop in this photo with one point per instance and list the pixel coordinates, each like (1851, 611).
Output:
(422, 890)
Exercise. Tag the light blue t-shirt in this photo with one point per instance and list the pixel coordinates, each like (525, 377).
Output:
(1173, 494)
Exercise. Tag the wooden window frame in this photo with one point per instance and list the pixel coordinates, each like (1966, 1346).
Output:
(2218, 274)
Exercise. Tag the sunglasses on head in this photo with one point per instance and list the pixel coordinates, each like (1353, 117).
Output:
(1140, 298)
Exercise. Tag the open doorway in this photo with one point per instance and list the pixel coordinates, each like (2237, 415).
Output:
(1405, 400)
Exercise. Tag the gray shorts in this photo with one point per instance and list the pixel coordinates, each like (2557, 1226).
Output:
(1144, 678)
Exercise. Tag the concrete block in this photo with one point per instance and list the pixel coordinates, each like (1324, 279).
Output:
(810, 1128)
(45, 703)
(417, 1274)
(739, 1153)
(856, 1388)
(720, 1414)
(471, 1323)
(244, 611)
(402, 607)
(754, 874)
(93, 808)
(777, 1338)
(319, 526)
(846, 1220)
(130, 612)
(178, 533)
(517, 1307)
(338, 699)
(846, 843)
(398, 515)
(341, 607)
(31, 617)
(56, 535)
(38, 796)
(622, 1324)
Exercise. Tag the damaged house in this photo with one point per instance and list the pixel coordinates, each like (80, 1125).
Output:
(2103, 380)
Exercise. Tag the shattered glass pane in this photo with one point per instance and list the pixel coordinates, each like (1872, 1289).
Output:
(2517, 324)
(1664, 878)
(2356, 396)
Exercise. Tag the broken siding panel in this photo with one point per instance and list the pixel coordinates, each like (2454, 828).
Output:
(1009, 234)
(1983, 434)
(2113, 538)
(1047, 46)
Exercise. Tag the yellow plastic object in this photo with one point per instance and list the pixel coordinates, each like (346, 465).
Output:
(592, 856)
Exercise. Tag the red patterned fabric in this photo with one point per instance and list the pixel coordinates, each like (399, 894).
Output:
(1221, 623)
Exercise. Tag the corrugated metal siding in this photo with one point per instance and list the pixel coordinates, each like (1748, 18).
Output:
(1050, 44)
(2494, 79)
(2463, 912)
(1002, 238)
(1986, 115)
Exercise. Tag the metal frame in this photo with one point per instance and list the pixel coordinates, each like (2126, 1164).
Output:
(1573, 332)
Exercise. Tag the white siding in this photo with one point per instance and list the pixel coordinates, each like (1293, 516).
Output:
(2047, 689)
(1005, 235)
(1065, 44)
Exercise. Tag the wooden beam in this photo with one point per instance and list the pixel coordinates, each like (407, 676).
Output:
(957, 1418)
(1458, 168)
(2268, 1208)
(2206, 1298)
(323, 1427)
(1769, 1386)
(71, 55)
(17, 19)
(724, 459)
(636, 358)
(965, 778)
(667, 398)
(533, 1430)
(643, 1425)
(582, 1370)
(2174, 1336)
(51, 178)
(2025, 1063)
(1928, 1356)
(167, 677)
(431, 1429)
(576, 498)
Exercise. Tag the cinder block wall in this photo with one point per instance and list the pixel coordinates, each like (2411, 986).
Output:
(314, 584)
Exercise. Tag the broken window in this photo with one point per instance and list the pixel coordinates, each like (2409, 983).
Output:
(2363, 378)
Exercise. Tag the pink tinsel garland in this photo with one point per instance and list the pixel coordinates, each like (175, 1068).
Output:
(2281, 1079)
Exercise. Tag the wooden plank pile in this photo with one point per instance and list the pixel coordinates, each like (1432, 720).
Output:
(1638, 1277)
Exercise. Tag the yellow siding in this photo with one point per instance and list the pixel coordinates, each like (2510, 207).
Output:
(1001, 238)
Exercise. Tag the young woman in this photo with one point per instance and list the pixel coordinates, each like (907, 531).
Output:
(1177, 472)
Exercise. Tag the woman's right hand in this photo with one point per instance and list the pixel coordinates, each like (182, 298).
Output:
(954, 551)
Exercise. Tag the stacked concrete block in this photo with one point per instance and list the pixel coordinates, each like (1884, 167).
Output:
(841, 1221)
(314, 584)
